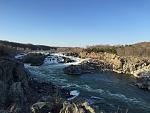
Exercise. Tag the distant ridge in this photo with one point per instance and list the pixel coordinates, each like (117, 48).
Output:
(21, 46)
(141, 49)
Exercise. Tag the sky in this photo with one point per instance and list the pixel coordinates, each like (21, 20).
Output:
(75, 22)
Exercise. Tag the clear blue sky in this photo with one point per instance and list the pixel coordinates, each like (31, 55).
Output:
(75, 22)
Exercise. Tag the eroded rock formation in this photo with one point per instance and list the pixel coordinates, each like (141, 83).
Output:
(128, 65)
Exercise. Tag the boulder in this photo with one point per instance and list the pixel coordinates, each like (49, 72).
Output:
(73, 70)
(76, 108)
(87, 107)
(41, 107)
(67, 60)
(91, 66)
(34, 59)
(143, 81)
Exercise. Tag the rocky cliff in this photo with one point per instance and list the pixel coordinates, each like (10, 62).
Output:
(128, 65)
(14, 86)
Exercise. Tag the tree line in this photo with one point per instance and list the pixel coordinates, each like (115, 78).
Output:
(139, 49)
(20, 46)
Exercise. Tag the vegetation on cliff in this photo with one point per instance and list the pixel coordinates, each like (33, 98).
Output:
(140, 49)
(27, 47)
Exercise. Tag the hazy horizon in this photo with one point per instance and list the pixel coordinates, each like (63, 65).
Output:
(75, 46)
(76, 23)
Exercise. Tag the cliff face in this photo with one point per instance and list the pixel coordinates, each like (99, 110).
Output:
(27, 47)
(14, 85)
(128, 65)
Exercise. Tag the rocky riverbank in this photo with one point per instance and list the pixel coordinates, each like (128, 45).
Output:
(128, 65)
(20, 93)
(90, 66)
(139, 67)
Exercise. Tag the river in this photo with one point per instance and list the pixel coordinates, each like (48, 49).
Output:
(109, 91)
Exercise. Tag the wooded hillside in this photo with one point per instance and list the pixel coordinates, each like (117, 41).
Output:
(139, 49)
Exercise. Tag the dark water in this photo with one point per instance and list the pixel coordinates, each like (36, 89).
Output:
(109, 91)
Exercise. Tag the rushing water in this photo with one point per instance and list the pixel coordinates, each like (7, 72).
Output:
(109, 91)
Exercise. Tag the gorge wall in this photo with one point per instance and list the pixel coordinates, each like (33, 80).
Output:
(128, 65)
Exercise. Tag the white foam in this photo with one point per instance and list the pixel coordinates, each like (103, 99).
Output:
(27, 65)
(94, 97)
(73, 93)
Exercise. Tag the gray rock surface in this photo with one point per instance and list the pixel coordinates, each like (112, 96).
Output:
(34, 59)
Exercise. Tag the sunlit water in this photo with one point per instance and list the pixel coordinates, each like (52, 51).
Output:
(108, 90)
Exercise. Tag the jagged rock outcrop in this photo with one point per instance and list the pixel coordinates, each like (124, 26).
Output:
(91, 66)
(106, 60)
(143, 80)
(41, 107)
(143, 83)
(128, 65)
(76, 108)
(14, 82)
